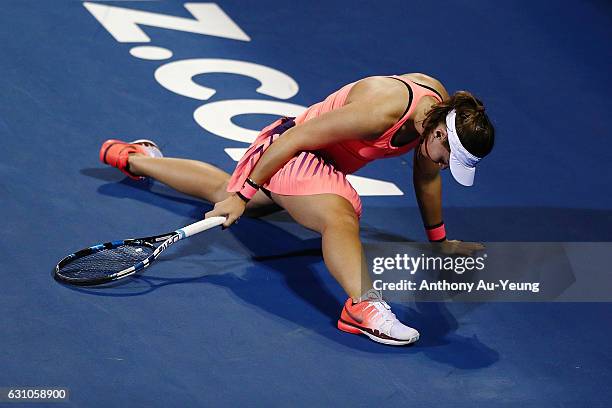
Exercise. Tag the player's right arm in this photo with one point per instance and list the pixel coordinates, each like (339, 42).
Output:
(376, 110)
(355, 121)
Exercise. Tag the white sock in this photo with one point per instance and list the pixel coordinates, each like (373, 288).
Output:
(372, 294)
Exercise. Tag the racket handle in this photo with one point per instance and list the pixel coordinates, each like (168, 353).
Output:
(200, 226)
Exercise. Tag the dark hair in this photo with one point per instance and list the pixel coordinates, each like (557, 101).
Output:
(474, 128)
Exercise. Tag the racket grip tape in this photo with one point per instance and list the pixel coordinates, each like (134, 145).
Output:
(200, 226)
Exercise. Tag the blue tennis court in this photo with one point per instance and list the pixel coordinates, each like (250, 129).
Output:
(247, 316)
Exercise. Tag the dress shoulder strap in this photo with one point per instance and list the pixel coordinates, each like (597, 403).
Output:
(410, 92)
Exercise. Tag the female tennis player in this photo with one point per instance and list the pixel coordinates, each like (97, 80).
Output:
(300, 164)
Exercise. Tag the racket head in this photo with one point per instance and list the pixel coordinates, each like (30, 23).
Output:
(105, 262)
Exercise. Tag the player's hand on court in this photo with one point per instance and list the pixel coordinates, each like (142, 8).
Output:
(455, 247)
(231, 208)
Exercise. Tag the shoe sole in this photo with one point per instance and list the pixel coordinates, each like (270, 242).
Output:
(348, 328)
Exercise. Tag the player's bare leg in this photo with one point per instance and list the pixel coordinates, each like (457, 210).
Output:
(194, 178)
(334, 218)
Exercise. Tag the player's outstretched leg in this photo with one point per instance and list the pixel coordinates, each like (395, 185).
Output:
(364, 311)
(198, 179)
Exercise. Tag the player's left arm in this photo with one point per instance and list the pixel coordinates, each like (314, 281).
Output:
(427, 188)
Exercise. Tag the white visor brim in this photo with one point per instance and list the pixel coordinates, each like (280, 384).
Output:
(462, 173)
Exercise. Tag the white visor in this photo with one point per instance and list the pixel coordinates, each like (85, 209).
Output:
(462, 163)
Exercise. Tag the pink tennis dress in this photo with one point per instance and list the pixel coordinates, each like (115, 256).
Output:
(324, 171)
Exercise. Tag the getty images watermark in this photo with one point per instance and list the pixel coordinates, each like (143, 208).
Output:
(459, 265)
(503, 271)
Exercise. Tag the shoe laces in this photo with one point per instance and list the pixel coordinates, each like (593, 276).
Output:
(382, 311)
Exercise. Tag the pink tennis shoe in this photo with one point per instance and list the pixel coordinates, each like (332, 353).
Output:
(116, 153)
(374, 318)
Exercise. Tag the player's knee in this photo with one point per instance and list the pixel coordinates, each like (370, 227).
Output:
(341, 218)
(220, 192)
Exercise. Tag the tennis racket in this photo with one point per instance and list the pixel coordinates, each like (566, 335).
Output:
(116, 260)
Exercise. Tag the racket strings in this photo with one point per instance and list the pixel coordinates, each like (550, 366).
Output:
(106, 262)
